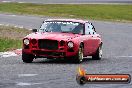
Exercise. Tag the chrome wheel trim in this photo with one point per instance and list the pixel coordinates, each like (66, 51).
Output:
(100, 52)
(80, 54)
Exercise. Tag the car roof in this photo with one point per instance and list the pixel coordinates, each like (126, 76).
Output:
(71, 20)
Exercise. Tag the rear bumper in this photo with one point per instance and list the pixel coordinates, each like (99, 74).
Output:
(49, 53)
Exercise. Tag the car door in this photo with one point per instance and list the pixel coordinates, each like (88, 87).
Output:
(88, 40)
(95, 41)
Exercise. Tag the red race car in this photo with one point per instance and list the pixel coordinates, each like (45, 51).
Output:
(70, 39)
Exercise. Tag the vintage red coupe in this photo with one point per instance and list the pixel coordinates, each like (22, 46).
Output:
(70, 39)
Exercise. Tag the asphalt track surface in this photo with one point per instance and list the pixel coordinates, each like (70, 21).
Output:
(69, 1)
(43, 73)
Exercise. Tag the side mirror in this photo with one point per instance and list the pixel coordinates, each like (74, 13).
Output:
(34, 30)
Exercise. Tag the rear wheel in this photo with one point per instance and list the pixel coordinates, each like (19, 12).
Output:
(27, 58)
(79, 57)
(98, 54)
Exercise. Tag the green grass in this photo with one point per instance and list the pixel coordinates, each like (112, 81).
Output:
(11, 37)
(85, 11)
(9, 44)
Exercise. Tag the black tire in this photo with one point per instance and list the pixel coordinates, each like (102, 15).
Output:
(98, 54)
(79, 57)
(27, 58)
(81, 80)
(50, 58)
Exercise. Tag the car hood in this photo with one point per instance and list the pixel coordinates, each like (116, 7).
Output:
(53, 36)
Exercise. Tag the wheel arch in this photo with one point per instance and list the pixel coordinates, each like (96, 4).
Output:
(101, 44)
(81, 44)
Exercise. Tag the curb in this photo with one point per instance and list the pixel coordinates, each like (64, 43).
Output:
(16, 52)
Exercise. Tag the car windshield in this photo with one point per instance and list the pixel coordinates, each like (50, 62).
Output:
(65, 27)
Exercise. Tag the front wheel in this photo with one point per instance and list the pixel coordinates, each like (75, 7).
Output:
(98, 54)
(79, 57)
(27, 58)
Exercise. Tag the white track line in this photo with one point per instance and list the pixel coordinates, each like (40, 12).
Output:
(26, 75)
(12, 15)
(123, 56)
(26, 84)
(6, 1)
(21, 27)
(21, 2)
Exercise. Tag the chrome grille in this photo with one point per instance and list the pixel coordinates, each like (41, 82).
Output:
(48, 44)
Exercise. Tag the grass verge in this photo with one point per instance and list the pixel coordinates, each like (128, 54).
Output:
(11, 38)
(86, 11)
(9, 44)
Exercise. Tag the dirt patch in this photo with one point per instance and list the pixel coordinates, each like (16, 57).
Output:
(13, 32)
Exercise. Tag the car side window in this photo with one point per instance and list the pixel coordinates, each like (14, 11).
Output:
(89, 29)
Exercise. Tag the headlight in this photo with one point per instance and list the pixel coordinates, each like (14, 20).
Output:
(26, 41)
(70, 44)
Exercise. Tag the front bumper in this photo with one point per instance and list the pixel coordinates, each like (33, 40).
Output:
(49, 53)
